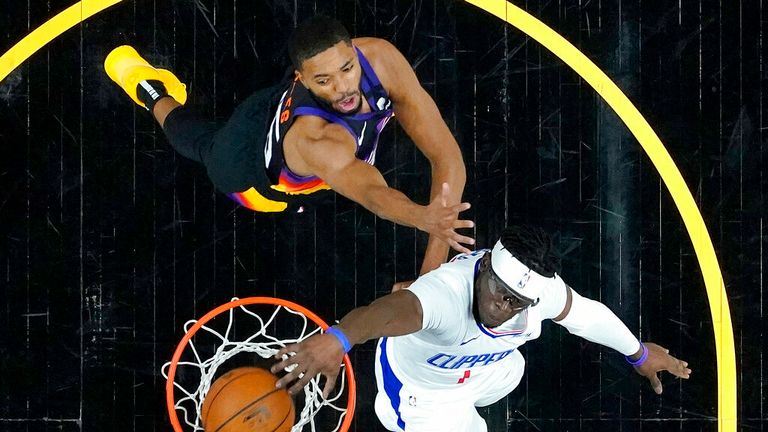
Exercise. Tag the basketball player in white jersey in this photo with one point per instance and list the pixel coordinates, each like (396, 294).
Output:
(449, 341)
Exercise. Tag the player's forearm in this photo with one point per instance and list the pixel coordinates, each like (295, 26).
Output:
(435, 255)
(435, 142)
(392, 205)
(593, 321)
(447, 166)
(451, 171)
(395, 314)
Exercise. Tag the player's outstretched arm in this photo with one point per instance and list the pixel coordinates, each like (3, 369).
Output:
(395, 314)
(420, 117)
(329, 156)
(593, 321)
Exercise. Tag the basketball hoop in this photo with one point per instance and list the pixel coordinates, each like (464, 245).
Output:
(222, 341)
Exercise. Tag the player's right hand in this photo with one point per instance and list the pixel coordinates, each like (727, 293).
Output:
(319, 354)
(442, 221)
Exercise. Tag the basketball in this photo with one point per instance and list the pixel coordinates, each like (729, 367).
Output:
(246, 400)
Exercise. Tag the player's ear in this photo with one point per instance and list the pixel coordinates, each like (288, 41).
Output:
(299, 78)
(485, 261)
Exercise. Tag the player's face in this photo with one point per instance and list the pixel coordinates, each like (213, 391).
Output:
(334, 76)
(495, 302)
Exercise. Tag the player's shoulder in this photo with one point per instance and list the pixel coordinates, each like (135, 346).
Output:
(385, 59)
(373, 47)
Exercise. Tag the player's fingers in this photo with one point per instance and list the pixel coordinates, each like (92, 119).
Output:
(277, 367)
(458, 238)
(303, 381)
(458, 208)
(655, 383)
(286, 350)
(457, 247)
(681, 369)
(462, 223)
(687, 370)
(330, 383)
(288, 378)
(289, 351)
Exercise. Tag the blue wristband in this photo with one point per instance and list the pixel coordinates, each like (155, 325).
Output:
(641, 360)
(341, 337)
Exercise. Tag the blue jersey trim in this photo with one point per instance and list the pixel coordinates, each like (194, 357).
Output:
(392, 385)
(494, 335)
(370, 80)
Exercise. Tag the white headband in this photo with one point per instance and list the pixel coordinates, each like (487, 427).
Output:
(525, 282)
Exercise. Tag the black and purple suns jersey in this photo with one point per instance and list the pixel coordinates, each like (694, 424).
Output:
(298, 101)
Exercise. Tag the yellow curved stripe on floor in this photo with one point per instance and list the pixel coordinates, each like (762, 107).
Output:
(54, 27)
(702, 244)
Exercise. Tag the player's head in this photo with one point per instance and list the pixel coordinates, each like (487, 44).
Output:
(326, 63)
(513, 274)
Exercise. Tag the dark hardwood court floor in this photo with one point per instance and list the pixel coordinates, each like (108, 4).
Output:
(109, 241)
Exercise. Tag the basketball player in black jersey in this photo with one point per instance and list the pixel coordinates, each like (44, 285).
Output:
(319, 131)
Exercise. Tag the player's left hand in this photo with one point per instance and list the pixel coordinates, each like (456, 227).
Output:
(660, 360)
(320, 354)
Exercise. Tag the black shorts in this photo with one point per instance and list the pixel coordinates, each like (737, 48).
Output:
(233, 154)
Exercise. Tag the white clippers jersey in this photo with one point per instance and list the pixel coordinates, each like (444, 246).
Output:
(452, 348)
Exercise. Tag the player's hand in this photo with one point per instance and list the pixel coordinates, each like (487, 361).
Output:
(442, 221)
(660, 360)
(401, 285)
(319, 354)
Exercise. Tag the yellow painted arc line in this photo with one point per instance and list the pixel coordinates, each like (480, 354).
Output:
(702, 244)
(52, 28)
(718, 301)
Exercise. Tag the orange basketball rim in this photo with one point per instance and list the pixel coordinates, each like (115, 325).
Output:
(169, 385)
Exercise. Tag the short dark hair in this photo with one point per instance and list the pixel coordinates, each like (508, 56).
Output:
(314, 36)
(533, 247)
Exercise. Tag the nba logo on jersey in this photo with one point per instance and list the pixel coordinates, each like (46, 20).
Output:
(383, 104)
(524, 281)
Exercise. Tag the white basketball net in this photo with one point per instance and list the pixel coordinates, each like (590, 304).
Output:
(261, 343)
